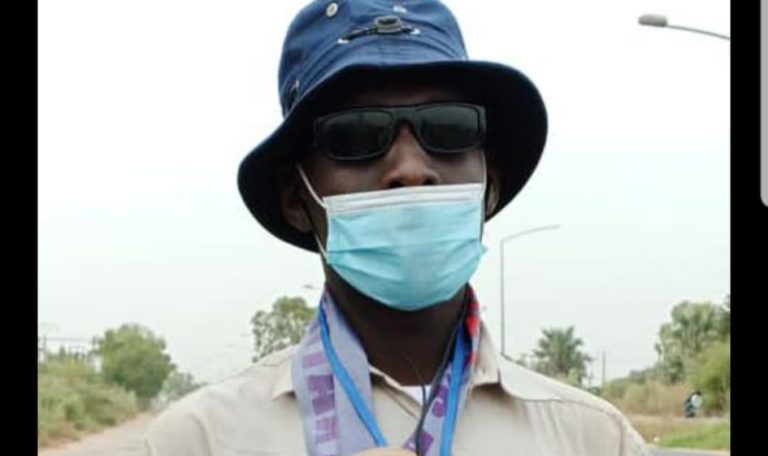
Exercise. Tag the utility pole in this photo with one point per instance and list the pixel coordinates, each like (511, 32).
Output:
(501, 273)
(603, 385)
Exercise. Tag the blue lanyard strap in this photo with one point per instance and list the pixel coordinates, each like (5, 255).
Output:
(349, 386)
(457, 371)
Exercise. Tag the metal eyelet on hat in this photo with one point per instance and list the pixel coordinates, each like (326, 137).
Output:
(332, 9)
(388, 24)
(382, 25)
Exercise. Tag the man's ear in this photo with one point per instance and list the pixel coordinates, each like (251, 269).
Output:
(492, 191)
(291, 204)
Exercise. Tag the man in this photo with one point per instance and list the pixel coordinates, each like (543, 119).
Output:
(394, 150)
(692, 403)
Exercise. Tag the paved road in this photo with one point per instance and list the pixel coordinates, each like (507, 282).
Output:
(659, 452)
(124, 440)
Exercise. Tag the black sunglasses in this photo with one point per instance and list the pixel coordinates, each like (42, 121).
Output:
(363, 133)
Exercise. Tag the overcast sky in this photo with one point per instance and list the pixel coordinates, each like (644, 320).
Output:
(147, 107)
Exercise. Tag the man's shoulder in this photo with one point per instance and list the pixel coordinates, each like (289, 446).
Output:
(588, 416)
(592, 420)
(254, 384)
(234, 413)
(529, 385)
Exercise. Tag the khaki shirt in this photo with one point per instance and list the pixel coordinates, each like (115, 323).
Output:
(510, 411)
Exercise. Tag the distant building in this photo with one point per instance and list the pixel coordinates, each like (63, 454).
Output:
(71, 347)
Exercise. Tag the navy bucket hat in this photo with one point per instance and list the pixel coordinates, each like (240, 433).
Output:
(333, 45)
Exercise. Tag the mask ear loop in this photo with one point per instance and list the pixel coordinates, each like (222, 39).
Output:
(485, 172)
(306, 209)
(483, 196)
(485, 181)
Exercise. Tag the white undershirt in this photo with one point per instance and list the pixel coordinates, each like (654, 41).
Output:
(415, 391)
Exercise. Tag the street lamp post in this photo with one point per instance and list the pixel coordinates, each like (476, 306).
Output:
(503, 240)
(657, 20)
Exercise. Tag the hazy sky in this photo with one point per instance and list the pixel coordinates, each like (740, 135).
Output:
(147, 107)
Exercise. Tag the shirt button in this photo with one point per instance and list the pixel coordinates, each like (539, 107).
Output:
(331, 9)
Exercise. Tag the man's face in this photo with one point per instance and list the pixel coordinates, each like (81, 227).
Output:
(406, 163)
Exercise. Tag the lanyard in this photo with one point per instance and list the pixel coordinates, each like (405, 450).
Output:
(457, 369)
(365, 415)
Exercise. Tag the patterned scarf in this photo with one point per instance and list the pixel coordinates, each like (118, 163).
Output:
(332, 426)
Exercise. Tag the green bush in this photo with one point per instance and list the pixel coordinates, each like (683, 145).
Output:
(177, 385)
(51, 415)
(108, 405)
(711, 374)
(71, 399)
(134, 358)
(67, 370)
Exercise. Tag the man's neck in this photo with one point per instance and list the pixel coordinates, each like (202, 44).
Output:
(407, 346)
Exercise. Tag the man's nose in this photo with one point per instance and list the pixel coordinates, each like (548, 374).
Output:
(407, 163)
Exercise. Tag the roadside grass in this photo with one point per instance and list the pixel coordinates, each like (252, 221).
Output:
(72, 400)
(677, 432)
(648, 398)
(656, 411)
(710, 437)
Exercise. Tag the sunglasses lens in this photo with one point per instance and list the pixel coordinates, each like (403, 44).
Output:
(356, 135)
(448, 129)
(368, 132)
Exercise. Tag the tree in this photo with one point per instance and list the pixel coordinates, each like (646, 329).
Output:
(693, 327)
(523, 360)
(711, 374)
(724, 320)
(177, 385)
(281, 327)
(559, 355)
(133, 357)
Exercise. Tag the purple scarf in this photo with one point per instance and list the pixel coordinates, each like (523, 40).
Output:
(331, 423)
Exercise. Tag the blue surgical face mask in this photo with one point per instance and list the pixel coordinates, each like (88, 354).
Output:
(409, 247)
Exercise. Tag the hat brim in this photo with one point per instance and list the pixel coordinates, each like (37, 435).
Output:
(515, 116)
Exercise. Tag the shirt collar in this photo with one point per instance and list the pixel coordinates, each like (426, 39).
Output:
(490, 370)
(513, 379)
